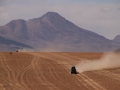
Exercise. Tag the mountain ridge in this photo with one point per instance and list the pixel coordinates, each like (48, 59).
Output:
(9, 45)
(52, 31)
(117, 38)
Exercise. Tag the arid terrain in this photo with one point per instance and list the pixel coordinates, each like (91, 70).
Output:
(51, 71)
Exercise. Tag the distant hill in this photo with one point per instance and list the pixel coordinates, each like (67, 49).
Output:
(52, 32)
(8, 45)
(117, 38)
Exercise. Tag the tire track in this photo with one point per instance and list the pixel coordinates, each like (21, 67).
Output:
(5, 66)
(109, 74)
(87, 82)
(36, 67)
(72, 78)
(43, 78)
(10, 78)
(53, 73)
(48, 55)
(64, 61)
(50, 67)
(85, 78)
(50, 71)
(22, 72)
(91, 82)
(20, 78)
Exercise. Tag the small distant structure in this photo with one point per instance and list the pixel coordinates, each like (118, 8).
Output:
(17, 51)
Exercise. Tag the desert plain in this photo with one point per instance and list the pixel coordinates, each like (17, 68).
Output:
(51, 71)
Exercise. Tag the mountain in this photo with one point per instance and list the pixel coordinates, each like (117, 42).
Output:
(52, 32)
(8, 45)
(117, 38)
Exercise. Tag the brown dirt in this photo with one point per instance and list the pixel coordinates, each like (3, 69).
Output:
(51, 71)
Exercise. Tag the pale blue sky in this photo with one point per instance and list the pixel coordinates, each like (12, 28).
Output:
(100, 16)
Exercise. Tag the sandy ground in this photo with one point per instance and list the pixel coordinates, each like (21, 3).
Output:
(51, 71)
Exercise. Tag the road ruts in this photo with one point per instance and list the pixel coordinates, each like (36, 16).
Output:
(20, 77)
(94, 84)
(85, 82)
(14, 79)
(109, 74)
(40, 73)
(10, 75)
(89, 82)
(21, 73)
(104, 80)
(55, 76)
(55, 73)
(51, 71)
(6, 67)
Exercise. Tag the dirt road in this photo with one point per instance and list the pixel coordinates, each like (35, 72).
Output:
(51, 71)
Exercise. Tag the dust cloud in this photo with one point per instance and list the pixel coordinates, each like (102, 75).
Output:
(108, 61)
(26, 50)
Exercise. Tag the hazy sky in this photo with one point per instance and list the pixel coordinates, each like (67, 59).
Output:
(100, 16)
